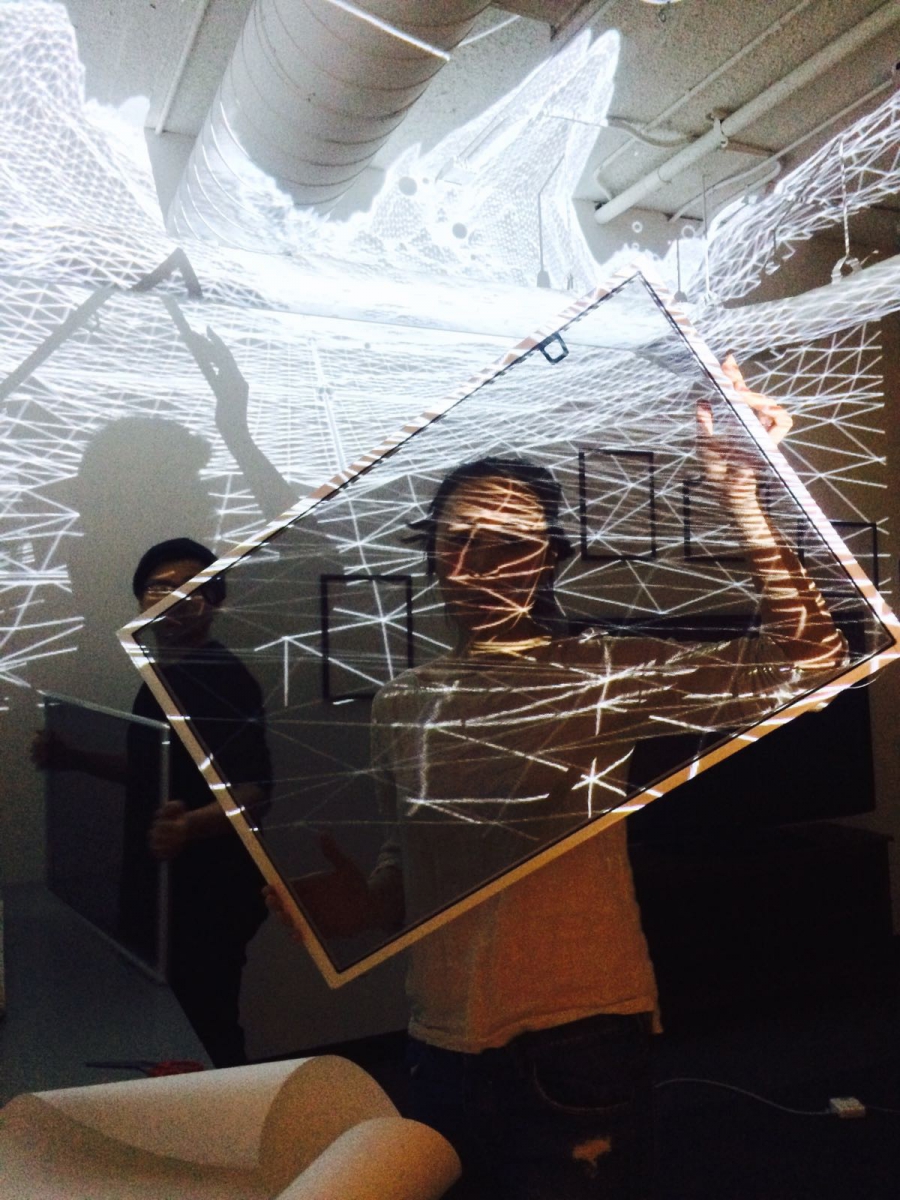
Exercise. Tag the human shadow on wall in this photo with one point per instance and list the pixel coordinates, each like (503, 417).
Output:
(139, 482)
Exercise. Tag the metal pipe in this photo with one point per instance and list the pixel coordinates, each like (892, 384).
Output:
(178, 75)
(705, 82)
(778, 155)
(877, 22)
(476, 37)
(312, 91)
(640, 133)
(386, 27)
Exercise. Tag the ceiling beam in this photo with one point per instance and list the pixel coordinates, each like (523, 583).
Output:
(178, 74)
(565, 17)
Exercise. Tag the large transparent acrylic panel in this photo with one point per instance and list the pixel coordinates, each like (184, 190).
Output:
(398, 753)
(107, 775)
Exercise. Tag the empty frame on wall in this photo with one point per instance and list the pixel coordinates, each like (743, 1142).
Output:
(407, 747)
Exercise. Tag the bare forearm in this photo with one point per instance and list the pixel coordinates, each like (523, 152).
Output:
(272, 492)
(792, 609)
(111, 767)
(207, 822)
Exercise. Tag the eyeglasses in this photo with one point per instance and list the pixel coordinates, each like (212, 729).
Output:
(154, 592)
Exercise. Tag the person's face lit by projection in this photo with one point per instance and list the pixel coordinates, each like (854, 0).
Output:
(187, 624)
(492, 554)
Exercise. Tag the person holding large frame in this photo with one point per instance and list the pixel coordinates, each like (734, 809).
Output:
(531, 1012)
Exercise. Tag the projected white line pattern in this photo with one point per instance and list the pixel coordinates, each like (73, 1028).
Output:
(834, 391)
(79, 206)
(865, 296)
(862, 162)
(186, 399)
(372, 560)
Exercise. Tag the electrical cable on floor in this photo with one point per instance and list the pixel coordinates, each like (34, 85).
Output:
(730, 1087)
(831, 1111)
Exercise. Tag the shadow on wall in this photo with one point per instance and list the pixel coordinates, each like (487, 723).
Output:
(139, 482)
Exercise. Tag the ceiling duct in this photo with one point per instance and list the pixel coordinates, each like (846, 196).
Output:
(313, 90)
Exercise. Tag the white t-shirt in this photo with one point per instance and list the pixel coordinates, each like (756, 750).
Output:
(484, 759)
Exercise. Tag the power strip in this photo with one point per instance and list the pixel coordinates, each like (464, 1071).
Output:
(846, 1107)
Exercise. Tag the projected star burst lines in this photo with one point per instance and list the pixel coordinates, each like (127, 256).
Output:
(49, 453)
(491, 754)
(80, 211)
(834, 391)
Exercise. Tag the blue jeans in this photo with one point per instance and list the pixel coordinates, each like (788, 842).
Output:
(562, 1114)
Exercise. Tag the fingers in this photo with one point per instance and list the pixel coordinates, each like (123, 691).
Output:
(332, 851)
(732, 370)
(704, 418)
(49, 752)
(776, 420)
(168, 834)
(170, 810)
(215, 341)
(199, 347)
(773, 417)
(343, 865)
(275, 904)
(40, 749)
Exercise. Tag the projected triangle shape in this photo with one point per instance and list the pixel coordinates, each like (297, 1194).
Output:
(454, 698)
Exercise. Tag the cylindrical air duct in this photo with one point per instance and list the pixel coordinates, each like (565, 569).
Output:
(312, 91)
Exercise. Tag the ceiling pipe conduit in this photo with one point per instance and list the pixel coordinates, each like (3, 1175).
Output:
(710, 79)
(311, 93)
(877, 22)
(773, 161)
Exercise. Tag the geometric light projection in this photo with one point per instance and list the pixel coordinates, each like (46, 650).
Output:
(834, 391)
(79, 207)
(454, 692)
(617, 502)
(238, 409)
(853, 171)
(80, 204)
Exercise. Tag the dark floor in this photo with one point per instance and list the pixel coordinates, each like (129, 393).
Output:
(72, 999)
(713, 1144)
(716, 1144)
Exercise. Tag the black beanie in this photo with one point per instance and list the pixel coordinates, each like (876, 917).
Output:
(172, 551)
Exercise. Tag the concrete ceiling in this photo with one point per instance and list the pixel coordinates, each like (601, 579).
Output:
(678, 65)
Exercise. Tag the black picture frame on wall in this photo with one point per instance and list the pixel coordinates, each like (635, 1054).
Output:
(379, 666)
(587, 536)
